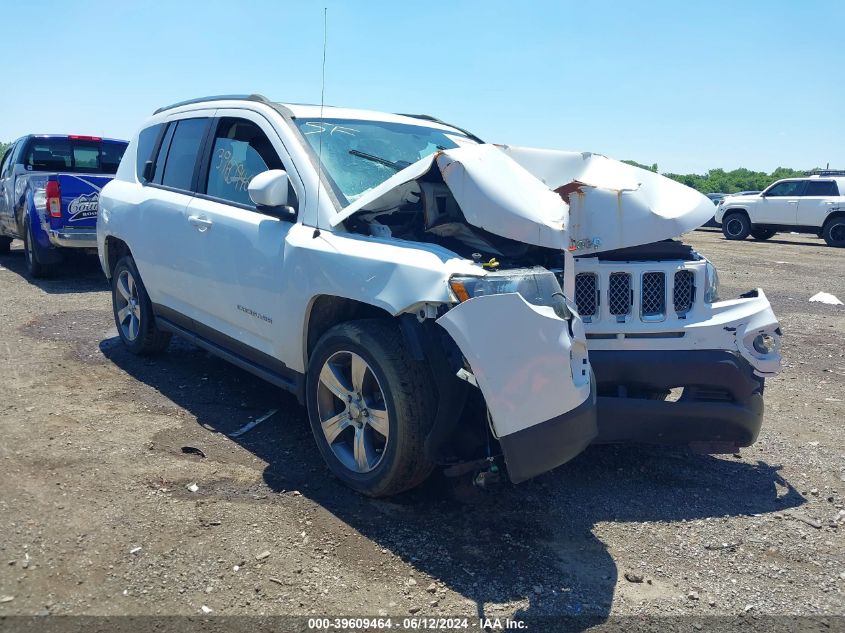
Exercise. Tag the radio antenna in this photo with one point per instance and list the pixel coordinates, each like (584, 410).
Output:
(322, 104)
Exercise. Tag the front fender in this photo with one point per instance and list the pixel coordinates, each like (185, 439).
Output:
(722, 211)
(535, 378)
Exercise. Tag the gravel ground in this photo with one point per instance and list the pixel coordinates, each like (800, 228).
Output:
(97, 517)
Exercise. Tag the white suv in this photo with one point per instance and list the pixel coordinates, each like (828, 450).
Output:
(815, 204)
(415, 287)
(299, 245)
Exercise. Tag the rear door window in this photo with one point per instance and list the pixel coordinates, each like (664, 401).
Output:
(161, 159)
(183, 152)
(821, 188)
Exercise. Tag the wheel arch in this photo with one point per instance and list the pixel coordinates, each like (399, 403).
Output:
(326, 311)
(835, 215)
(742, 210)
(114, 248)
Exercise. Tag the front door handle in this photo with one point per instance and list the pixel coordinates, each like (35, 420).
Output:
(792, 201)
(200, 223)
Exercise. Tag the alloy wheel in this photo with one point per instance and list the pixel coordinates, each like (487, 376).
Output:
(352, 411)
(734, 227)
(127, 305)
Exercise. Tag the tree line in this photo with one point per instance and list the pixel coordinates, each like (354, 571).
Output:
(721, 181)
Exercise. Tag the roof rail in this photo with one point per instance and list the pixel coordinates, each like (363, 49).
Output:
(253, 97)
(826, 172)
(428, 117)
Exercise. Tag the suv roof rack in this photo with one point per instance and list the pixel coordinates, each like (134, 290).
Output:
(826, 172)
(428, 117)
(253, 97)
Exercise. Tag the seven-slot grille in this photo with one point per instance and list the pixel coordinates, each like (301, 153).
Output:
(683, 294)
(586, 294)
(653, 295)
(619, 294)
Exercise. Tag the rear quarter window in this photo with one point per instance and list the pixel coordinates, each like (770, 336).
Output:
(147, 140)
(821, 188)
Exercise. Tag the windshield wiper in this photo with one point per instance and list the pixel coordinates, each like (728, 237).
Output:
(378, 159)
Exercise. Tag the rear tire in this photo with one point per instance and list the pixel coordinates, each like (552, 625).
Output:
(762, 234)
(133, 312)
(371, 407)
(5, 245)
(833, 232)
(736, 226)
(33, 266)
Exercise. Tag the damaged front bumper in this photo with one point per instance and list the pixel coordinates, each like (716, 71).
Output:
(721, 404)
(733, 326)
(715, 359)
(532, 368)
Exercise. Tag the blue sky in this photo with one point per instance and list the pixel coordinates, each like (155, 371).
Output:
(687, 85)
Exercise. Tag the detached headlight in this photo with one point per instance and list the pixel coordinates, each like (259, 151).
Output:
(711, 283)
(537, 286)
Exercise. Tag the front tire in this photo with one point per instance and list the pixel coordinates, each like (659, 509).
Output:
(370, 406)
(762, 234)
(133, 312)
(833, 232)
(736, 226)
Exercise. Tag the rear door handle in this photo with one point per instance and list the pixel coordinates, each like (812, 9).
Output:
(792, 201)
(200, 223)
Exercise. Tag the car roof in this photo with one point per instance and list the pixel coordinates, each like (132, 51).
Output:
(316, 111)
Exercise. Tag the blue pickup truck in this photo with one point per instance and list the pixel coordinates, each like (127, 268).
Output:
(49, 194)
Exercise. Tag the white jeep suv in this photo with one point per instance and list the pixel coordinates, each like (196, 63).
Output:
(396, 274)
(815, 204)
(415, 287)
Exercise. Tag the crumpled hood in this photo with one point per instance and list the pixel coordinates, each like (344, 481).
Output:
(573, 201)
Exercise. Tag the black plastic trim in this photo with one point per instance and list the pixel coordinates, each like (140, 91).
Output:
(693, 418)
(544, 446)
(248, 358)
(786, 228)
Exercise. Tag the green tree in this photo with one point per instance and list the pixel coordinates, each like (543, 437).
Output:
(720, 181)
(4, 147)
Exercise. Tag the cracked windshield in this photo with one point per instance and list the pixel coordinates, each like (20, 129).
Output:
(360, 155)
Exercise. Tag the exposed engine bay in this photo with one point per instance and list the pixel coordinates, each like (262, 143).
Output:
(424, 210)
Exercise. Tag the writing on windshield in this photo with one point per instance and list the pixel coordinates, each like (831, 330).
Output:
(358, 155)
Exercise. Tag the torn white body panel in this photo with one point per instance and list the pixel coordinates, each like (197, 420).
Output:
(527, 379)
(493, 192)
(575, 201)
(612, 204)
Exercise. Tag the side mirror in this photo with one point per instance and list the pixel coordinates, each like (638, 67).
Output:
(147, 175)
(269, 191)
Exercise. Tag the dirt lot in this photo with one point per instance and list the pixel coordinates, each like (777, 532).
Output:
(96, 516)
